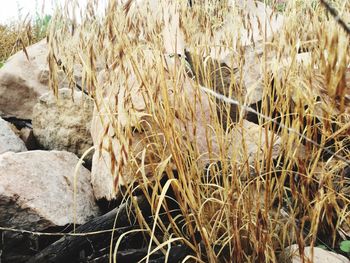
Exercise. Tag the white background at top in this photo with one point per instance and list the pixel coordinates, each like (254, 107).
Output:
(13, 10)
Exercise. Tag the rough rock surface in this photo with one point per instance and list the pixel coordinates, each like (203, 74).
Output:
(37, 190)
(64, 123)
(22, 81)
(320, 256)
(9, 141)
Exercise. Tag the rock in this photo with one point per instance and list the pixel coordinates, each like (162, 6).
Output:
(38, 190)
(257, 14)
(9, 141)
(238, 45)
(64, 123)
(319, 255)
(106, 145)
(13, 128)
(245, 23)
(21, 81)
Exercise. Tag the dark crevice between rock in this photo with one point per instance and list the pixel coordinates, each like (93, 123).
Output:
(19, 123)
(30, 141)
(87, 164)
(17, 247)
(108, 205)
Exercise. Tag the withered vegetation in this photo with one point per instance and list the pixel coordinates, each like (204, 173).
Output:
(231, 204)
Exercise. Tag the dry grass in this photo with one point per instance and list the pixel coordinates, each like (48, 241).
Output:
(7, 41)
(15, 36)
(234, 210)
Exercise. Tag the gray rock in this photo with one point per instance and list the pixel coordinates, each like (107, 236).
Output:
(9, 141)
(21, 81)
(38, 189)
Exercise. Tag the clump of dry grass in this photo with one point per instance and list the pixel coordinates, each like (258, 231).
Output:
(7, 42)
(15, 36)
(234, 210)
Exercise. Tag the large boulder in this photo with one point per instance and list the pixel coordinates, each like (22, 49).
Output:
(63, 123)
(9, 141)
(40, 189)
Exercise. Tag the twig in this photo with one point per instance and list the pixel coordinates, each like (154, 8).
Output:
(336, 16)
(35, 233)
(249, 109)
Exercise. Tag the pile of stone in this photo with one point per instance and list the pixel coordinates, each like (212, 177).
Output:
(51, 177)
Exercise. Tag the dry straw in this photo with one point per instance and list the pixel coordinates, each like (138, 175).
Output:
(245, 207)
